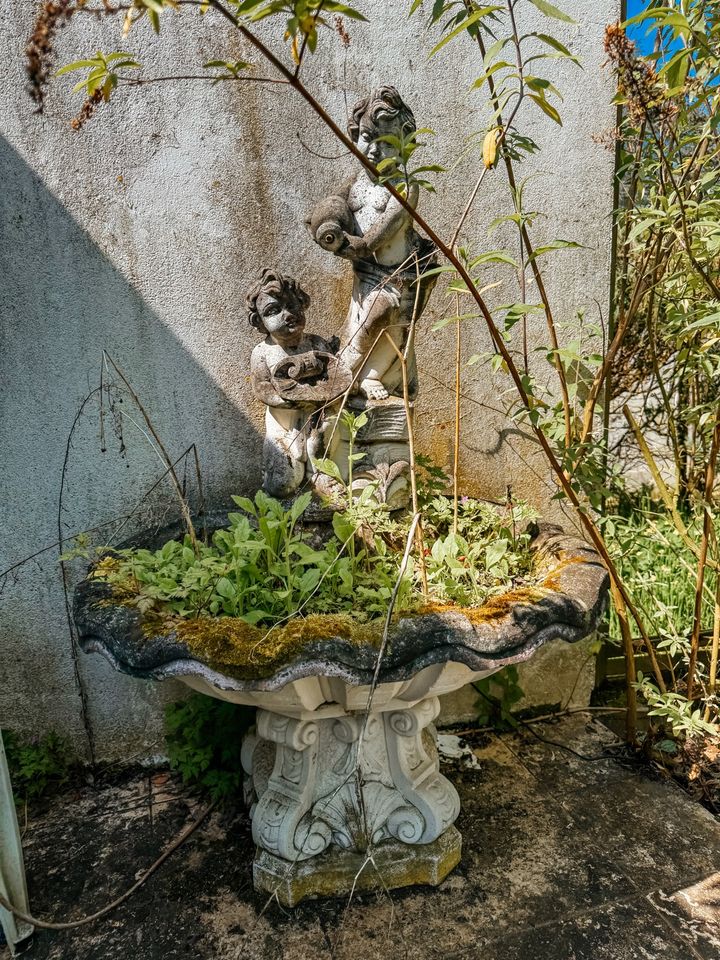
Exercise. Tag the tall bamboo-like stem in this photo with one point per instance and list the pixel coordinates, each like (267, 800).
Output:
(456, 451)
(659, 379)
(702, 559)
(419, 538)
(665, 495)
(654, 250)
(630, 669)
(712, 678)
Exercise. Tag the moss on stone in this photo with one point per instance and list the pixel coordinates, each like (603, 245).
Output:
(232, 646)
(246, 651)
(553, 581)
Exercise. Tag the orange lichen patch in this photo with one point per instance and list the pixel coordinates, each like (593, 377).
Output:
(249, 652)
(495, 608)
(553, 580)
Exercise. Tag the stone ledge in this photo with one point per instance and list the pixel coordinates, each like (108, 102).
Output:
(336, 873)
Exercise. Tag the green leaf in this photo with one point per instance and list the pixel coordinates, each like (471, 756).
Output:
(547, 108)
(556, 45)
(344, 10)
(483, 78)
(555, 245)
(468, 22)
(300, 506)
(76, 65)
(551, 11)
(655, 13)
(328, 467)
(494, 552)
(493, 256)
(119, 55)
(245, 504)
(255, 616)
(225, 588)
(494, 49)
(542, 86)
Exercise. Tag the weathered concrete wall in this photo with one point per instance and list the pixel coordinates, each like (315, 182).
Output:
(140, 236)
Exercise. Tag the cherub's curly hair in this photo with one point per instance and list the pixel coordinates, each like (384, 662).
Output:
(382, 101)
(269, 279)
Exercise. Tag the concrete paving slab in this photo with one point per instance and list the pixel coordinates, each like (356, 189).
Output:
(622, 931)
(560, 861)
(650, 829)
(542, 748)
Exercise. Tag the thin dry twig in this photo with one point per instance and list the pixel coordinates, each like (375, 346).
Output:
(169, 464)
(72, 924)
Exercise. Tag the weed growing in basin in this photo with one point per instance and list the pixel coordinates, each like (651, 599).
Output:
(479, 556)
(267, 564)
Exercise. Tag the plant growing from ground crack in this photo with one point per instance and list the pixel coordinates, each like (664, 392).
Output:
(38, 765)
(203, 737)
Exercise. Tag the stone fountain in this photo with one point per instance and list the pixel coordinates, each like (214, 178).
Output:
(342, 770)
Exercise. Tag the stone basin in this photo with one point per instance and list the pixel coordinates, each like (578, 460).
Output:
(343, 779)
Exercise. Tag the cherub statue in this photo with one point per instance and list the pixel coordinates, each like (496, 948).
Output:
(294, 374)
(364, 223)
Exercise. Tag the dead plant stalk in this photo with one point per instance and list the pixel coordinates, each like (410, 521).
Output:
(702, 559)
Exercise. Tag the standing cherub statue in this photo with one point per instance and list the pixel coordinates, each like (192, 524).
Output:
(295, 375)
(364, 223)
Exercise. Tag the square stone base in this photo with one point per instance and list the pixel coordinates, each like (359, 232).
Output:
(333, 873)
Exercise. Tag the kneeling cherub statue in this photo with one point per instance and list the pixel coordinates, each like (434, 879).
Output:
(296, 375)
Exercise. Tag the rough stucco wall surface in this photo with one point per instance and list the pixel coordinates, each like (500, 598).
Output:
(141, 234)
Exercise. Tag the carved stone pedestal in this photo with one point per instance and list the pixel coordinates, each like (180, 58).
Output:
(339, 800)
(336, 872)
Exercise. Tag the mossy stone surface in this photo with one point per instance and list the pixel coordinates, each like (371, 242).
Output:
(336, 873)
(567, 603)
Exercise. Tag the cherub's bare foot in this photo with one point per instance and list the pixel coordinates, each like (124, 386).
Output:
(373, 390)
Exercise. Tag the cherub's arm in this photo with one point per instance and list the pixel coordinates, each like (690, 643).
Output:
(393, 219)
(261, 382)
(344, 189)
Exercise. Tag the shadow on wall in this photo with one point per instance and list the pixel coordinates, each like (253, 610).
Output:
(61, 303)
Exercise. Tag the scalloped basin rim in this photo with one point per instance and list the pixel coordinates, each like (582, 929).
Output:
(568, 604)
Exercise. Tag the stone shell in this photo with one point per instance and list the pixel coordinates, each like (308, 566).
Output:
(570, 602)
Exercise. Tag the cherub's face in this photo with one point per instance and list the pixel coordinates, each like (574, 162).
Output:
(282, 316)
(376, 150)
